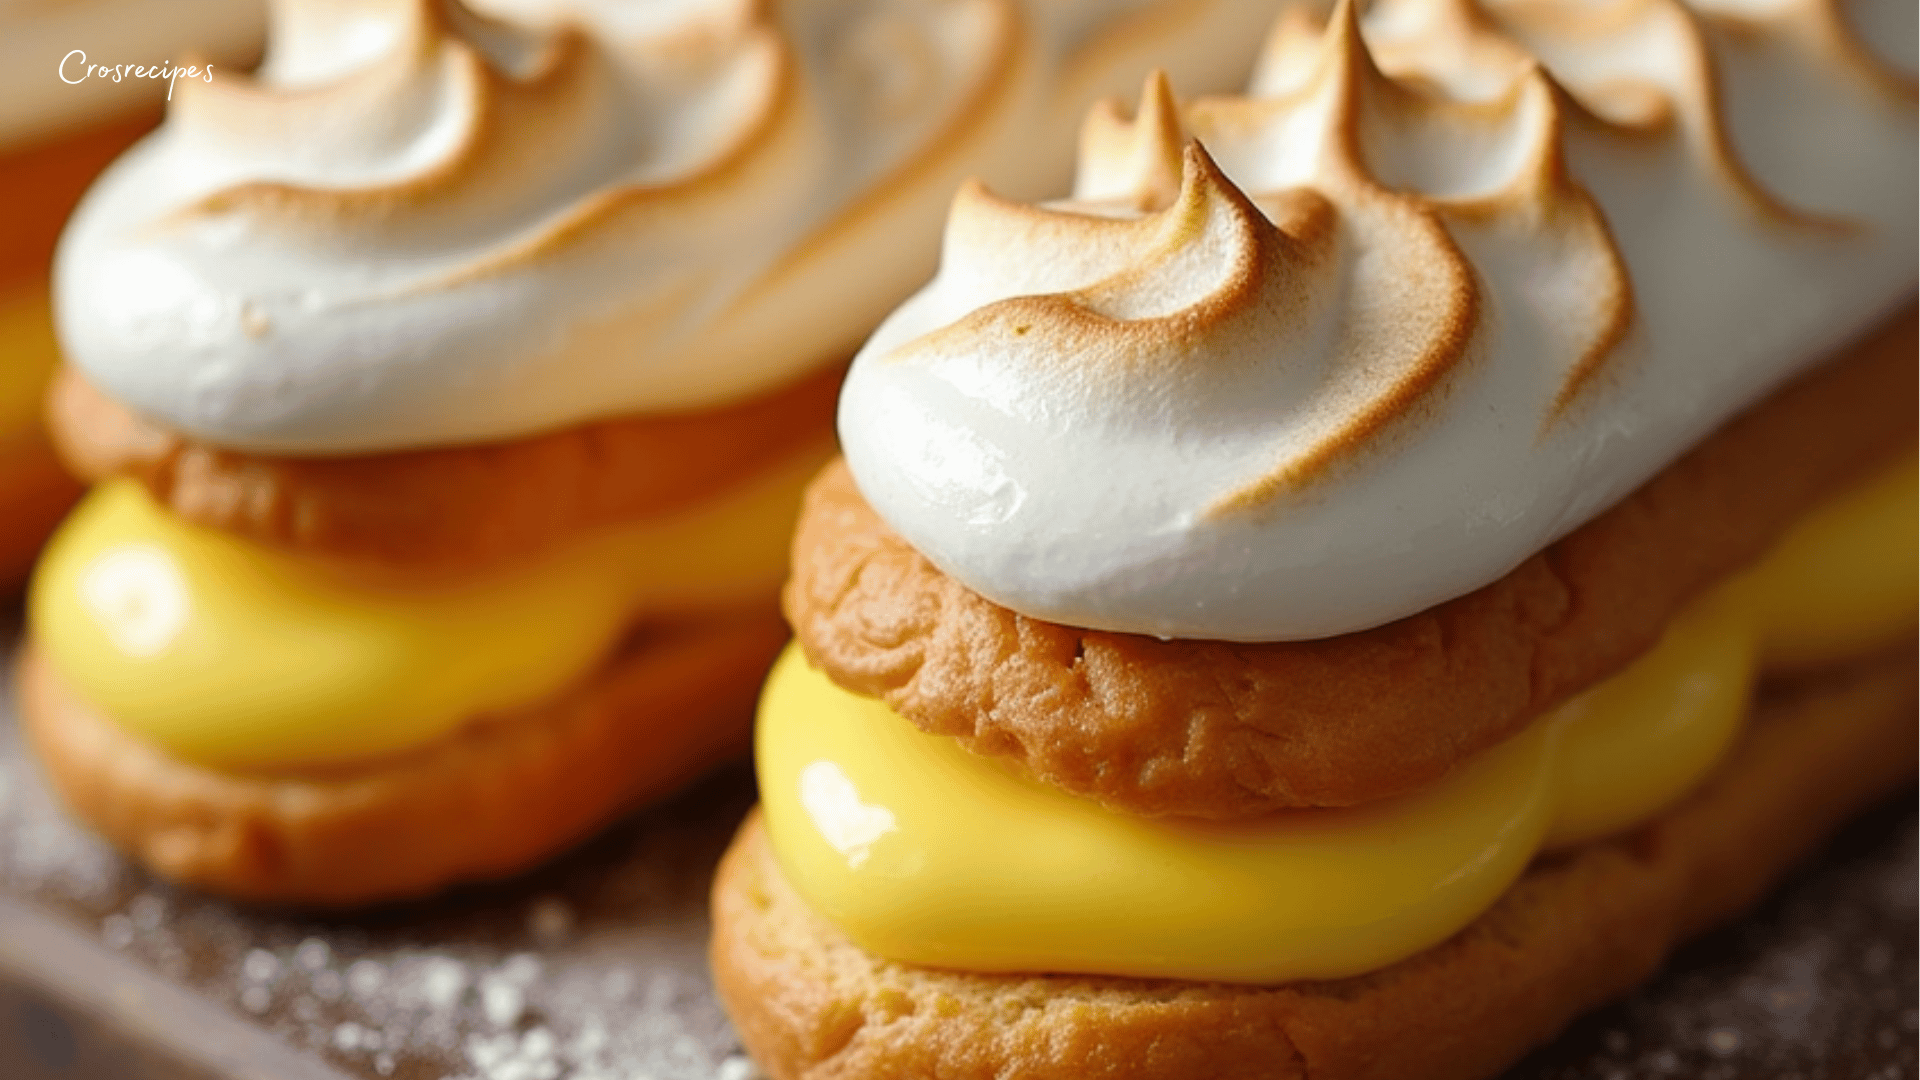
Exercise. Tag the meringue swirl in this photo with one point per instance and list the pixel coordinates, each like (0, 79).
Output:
(1444, 284)
(421, 225)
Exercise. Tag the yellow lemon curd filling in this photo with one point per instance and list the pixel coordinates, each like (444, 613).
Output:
(925, 853)
(232, 655)
(28, 354)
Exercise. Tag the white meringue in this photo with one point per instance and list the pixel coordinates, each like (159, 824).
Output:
(1485, 298)
(422, 227)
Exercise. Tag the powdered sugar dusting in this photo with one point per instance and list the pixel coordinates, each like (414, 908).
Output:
(1819, 982)
(594, 968)
(471, 990)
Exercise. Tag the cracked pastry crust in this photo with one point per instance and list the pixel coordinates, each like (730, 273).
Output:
(1579, 928)
(446, 509)
(490, 800)
(1224, 730)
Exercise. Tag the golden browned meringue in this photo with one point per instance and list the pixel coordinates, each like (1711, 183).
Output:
(420, 225)
(1510, 258)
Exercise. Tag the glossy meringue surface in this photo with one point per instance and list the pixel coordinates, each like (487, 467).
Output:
(1448, 281)
(425, 225)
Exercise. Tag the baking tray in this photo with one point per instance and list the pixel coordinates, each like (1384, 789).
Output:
(593, 967)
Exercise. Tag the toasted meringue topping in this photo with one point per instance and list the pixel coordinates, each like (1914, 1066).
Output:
(1510, 258)
(420, 226)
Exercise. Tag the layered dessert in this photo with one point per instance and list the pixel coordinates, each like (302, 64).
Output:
(1357, 584)
(448, 389)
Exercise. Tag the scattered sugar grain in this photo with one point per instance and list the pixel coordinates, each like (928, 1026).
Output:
(503, 1002)
(365, 978)
(1723, 1041)
(260, 966)
(537, 1043)
(445, 982)
(502, 1057)
(383, 1063)
(347, 1036)
(484, 1052)
(738, 1067)
(313, 954)
(256, 999)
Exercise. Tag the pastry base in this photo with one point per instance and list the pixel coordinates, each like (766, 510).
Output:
(492, 799)
(1580, 927)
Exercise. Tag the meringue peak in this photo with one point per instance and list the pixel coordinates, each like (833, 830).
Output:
(1207, 254)
(428, 222)
(459, 115)
(1102, 289)
(1512, 257)
(1135, 163)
